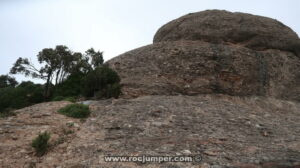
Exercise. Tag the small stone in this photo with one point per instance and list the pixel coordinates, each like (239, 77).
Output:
(157, 123)
(49, 158)
(211, 153)
(76, 125)
(46, 114)
(204, 165)
(186, 152)
(187, 86)
(258, 126)
(70, 123)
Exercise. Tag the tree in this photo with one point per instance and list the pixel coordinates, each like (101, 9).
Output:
(96, 57)
(7, 81)
(48, 57)
(102, 82)
(24, 66)
(58, 64)
(71, 87)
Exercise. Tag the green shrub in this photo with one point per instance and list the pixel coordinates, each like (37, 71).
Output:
(40, 143)
(71, 87)
(6, 97)
(102, 82)
(7, 112)
(58, 98)
(13, 98)
(34, 92)
(112, 90)
(75, 110)
(25, 94)
(70, 99)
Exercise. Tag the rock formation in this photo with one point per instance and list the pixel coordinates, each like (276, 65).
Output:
(215, 52)
(214, 26)
(226, 131)
(215, 83)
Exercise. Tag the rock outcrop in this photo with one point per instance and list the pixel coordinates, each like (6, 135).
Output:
(215, 52)
(212, 85)
(255, 32)
(226, 131)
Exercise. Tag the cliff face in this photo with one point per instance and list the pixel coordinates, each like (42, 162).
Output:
(220, 85)
(215, 52)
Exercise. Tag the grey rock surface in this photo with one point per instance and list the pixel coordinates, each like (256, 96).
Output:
(196, 67)
(226, 131)
(216, 26)
(215, 52)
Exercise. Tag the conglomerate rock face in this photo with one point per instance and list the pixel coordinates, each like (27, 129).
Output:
(226, 131)
(217, 26)
(207, 53)
(215, 52)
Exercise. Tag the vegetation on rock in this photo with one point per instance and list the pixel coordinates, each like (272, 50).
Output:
(75, 110)
(40, 143)
(68, 75)
(25, 94)
(102, 82)
(57, 65)
(58, 98)
(70, 99)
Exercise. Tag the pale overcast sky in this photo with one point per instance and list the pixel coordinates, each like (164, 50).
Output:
(112, 26)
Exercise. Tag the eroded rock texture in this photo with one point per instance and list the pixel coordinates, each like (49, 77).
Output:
(201, 54)
(215, 52)
(226, 131)
(215, 26)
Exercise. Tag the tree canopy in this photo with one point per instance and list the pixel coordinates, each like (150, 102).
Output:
(7, 81)
(57, 64)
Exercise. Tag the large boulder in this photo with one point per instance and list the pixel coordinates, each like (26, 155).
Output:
(179, 63)
(255, 32)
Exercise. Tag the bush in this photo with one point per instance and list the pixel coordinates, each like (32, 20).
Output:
(5, 98)
(13, 98)
(70, 99)
(71, 87)
(34, 92)
(7, 112)
(102, 82)
(113, 90)
(75, 110)
(61, 98)
(40, 143)
(26, 94)
(58, 98)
